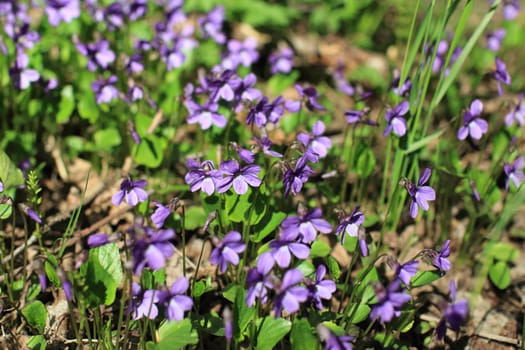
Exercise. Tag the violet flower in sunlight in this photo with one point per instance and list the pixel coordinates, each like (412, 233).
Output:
(134, 64)
(440, 259)
(227, 250)
(495, 38)
(97, 240)
(62, 11)
(293, 179)
(281, 61)
(240, 53)
(21, 75)
(150, 248)
(320, 288)
(473, 124)
(340, 81)
(237, 177)
(318, 144)
(114, 15)
(390, 300)
(223, 86)
(305, 226)
(501, 75)
(264, 144)
(420, 194)
(1, 186)
(514, 172)
(310, 96)
(143, 304)
(404, 89)
(454, 313)
(66, 285)
(356, 117)
(245, 91)
(105, 90)
(202, 176)
(206, 115)
(177, 303)
(282, 250)
(132, 191)
(403, 272)
(160, 214)
(511, 9)
(289, 294)
(27, 210)
(332, 341)
(349, 224)
(395, 120)
(211, 25)
(516, 114)
(137, 9)
(98, 54)
(259, 280)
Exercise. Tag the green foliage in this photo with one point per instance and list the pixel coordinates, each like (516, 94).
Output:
(270, 331)
(103, 274)
(302, 335)
(174, 335)
(35, 314)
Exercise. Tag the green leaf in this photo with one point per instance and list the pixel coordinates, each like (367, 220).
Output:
(302, 335)
(247, 208)
(320, 249)
(269, 222)
(333, 268)
(499, 274)
(10, 175)
(360, 314)
(423, 142)
(270, 331)
(87, 108)
(150, 152)
(103, 274)
(50, 266)
(105, 139)
(37, 342)
(423, 278)
(242, 314)
(279, 82)
(209, 323)
(195, 218)
(365, 162)
(174, 335)
(67, 104)
(501, 251)
(35, 314)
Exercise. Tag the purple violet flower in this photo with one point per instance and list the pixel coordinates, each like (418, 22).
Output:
(501, 75)
(320, 289)
(264, 144)
(33, 215)
(517, 113)
(227, 250)
(132, 191)
(150, 248)
(420, 194)
(62, 11)
(389, 301)
(494, 39)
(511, 9)
(211, 25)
(160, 214)
(454, 313)
(237, 177)
(340, 81)
(98, 54)
(240, 53)
(281, 61)
(66, 285)
(349, 224)
(473, 125)
(259, 280)
(22, 76)
(175, 300)
(332, 341)
(305, 226)
(228, 324)
(355, 117)
(1, 186)
(143, 304)
(309, 95)
(440, 259)
(206, 115)
(514, 172)
(202, 176)
(97, 240)
(282, 250)
(404, 89)
(289, 294)
(293, 180)
(403, 272)
(105, 90)
(318, 144)
(395, 120)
